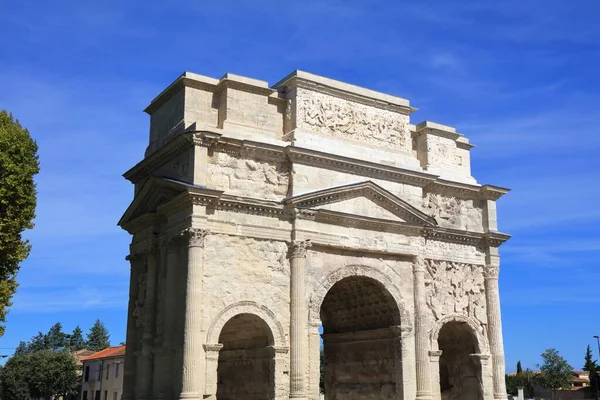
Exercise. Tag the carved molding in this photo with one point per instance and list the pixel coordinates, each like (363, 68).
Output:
(453, 212)
(247, 307)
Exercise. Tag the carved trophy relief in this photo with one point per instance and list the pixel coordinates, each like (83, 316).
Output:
(138, 312)
(454, 212)
(455, 288)
(341, 118)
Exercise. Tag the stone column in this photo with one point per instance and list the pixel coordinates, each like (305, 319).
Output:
(129, 368)
(279, 368)
(434, 357)
(298, 319)
(192, 385)
(495, 328)
(161, 378)
(212, 363)
(144, 371)
(421, 340)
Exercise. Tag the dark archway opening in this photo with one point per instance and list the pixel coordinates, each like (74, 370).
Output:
(460, 374)
(246, 361)
(361, 341)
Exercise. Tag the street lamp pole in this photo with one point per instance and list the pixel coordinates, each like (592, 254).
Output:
(595, 372)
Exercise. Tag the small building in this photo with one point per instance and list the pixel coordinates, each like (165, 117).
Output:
(102, 374)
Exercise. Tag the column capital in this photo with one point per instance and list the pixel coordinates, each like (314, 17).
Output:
(214, 348)
(195, 236)
(491, 271)
(298, 248)
(419, 264)
(435, 355)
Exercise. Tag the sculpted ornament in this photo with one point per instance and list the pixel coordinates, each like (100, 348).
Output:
(138, 311)
(196, 236)
(456, 288)
(453, 212)
(298, 248)
(491, 271)
(341, 118)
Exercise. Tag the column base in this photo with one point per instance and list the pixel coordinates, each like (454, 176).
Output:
(190, 395)
(424, 396)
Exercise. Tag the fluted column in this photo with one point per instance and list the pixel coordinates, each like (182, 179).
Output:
(144, 372)
(192, 384)
(298, 319)
(492, 296)
(166, 357)
(130, 359)
(421, 340)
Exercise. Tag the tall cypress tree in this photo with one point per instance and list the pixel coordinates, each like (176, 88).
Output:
(56, 338)
(98, 337)
(589, 362)
(519, 368)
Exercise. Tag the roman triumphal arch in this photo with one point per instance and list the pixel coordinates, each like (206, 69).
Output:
(270, 222)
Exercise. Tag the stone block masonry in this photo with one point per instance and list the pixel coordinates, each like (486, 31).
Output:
(268, 217)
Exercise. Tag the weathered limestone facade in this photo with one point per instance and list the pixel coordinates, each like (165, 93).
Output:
(268, 218)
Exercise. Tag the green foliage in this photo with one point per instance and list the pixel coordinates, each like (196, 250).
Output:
(42, 374)
(98, 337)
(13, 382)
(555, 371)
(18, 165)
(76, 341)
(56, 339)
(52, 374)
(519, 368)
(589, 362)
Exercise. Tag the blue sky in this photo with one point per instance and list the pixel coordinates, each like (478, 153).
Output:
(519, 78)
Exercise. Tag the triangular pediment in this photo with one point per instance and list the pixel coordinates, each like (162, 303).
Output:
(363, 200)
(154, 192)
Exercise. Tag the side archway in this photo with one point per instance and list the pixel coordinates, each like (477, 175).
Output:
(475, 328)
(459, 359)
(245, 351)
(247, 307)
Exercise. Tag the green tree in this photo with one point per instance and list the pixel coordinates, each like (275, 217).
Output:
(56, 339)
(37, 343)
(13, 382)
(555, 371)
(589, 362)
(22, 348)
(52, 373)
(98, 337)
(519, 368)
(76, 341)
(18, 165)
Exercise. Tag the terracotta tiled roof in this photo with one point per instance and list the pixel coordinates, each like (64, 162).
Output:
(106, 353)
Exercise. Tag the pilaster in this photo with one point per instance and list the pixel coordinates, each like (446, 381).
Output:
(421, 340)
(434, 358)
(492, 295)
(129, 369)
(298, 319)
(192, 384)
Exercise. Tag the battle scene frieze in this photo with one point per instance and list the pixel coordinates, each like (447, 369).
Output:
(341, 118)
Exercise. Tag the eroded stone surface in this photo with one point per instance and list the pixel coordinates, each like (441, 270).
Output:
(263, 213)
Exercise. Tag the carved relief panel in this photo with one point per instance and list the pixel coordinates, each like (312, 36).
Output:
(453, 212)
(344, 119)
(455, 288)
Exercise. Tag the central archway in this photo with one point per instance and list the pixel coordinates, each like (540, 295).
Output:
(360, 320)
